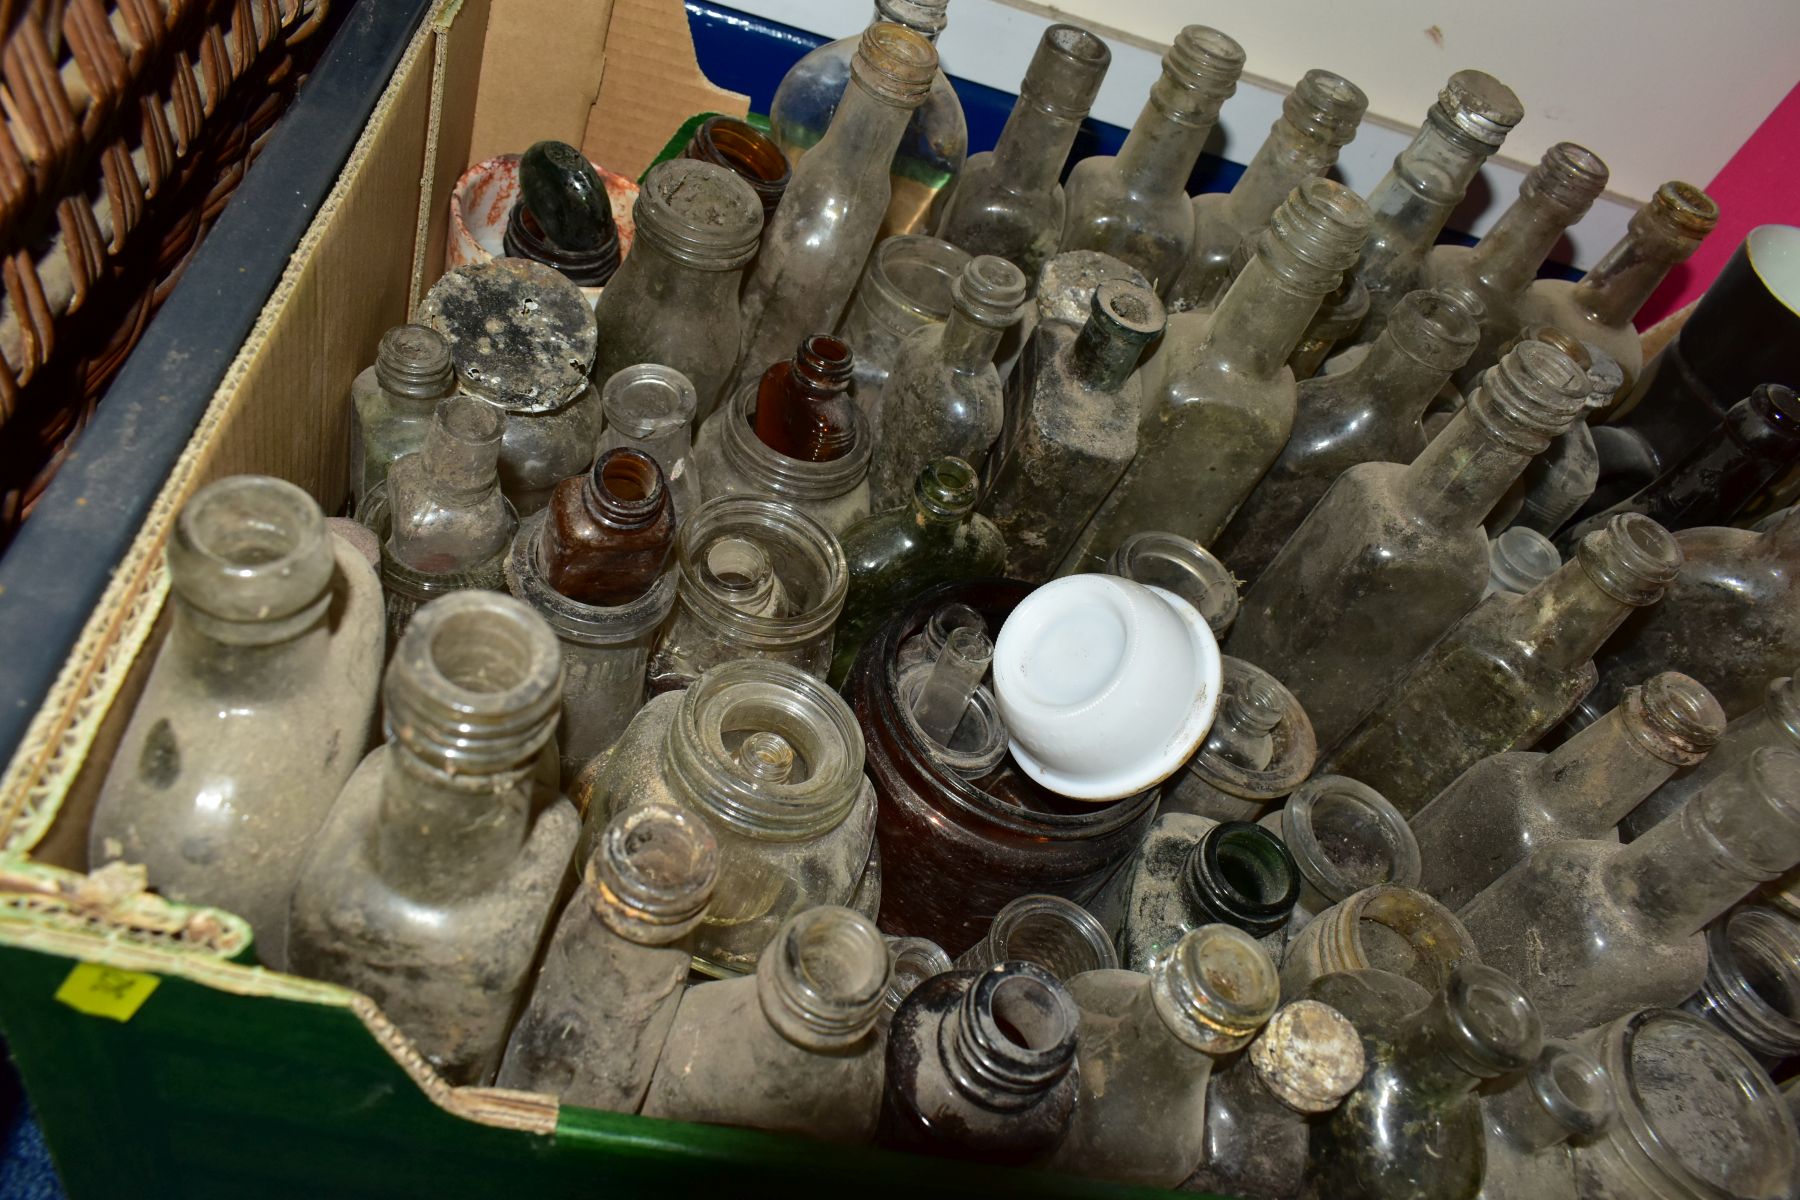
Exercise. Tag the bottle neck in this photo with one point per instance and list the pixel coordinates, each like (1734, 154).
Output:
(1619, 284)
(1594, 779)
(821, 981)
(1479, 1027)
(1507, 259)
(1396, 385)
(1258, 323)
(1565, 619)
(967, 344)
(625, 491)
(1285, 159)
(1012, 1037)
(1213, 991)
(1034, 145)
(855, 149)
(652, 873)
(1411, 204)
(1459, 477)
(441, 837)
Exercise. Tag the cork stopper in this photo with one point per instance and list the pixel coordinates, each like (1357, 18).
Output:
(1309, 1056)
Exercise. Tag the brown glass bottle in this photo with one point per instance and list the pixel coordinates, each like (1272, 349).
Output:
(610, 531)
(803, 406)
(747, 152)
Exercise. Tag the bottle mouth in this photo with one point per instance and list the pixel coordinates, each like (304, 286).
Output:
(1675, 718)
(915, 960)
(1315, 236)
(1241, 874)
(1055, 934)
(948, 488)
(1185, 568)
(1569, 176)
(1684, 209)
(1345, 836)
(414, 361)
(916, 274)
(1752, 986)
(895, 64)
(1203, 66)
(1392, 927)
(1521, 558)
(654, 870)
(1327, 107)
(823, 978)
(708, 216)
(1014, 1036)
(648, 401)
(1532, 395)
(1436, 328)
(801, 556)
(1571, 1086)
(990, 291)
(251, 551)
(628, 486)
(1215, 989)
(1071, 62)
(1133, 312)
(1493, 1028)
(1632, 558)
(1480, 107)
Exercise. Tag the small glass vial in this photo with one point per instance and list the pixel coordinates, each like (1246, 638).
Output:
(674, 302)
(1259, 749)
(614, 970)
(607, 534)
(905, 287)
(748, 153)
(1183, 567)
(1389, 927)
(393, 402)
(1145, 1052)
(980, 1066)
(794, 1048)
(1057, 934)
(802, 408)
(1752, 979)
(1344, 836)
(650, 408)
(1519, 559)
(437, 873)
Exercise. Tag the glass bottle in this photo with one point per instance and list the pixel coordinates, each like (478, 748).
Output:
(1518, 560)
(1317, 119)
(980, 1066)
(836, 202)
(393, 401)
(1593, 929)
(1073, 406)
(1344, 836)
(1561, 480)
(1340, 314)
(1567, 472)
(1599, 309)
(1505, 806)
(1009, 201)
(914, 961)
(1303, 1063)
(773, 761)
(754, 579)
(1752, 979)
(895, 555)
(1388, 927)
(1531, 1119)
(1135, 206)
(1219, 400)
(1473, 114)
(609, 532)
(943, 397)
(1056, 934)
(1371, 412)
(674, 301)
(437, 873)
(523, 337)
(1554, 195)
(254, 710)
(1065, 295)
(1184, 567)
(650, 408)
(794, 1048)
(1144, 1054)
(1510, 670)
(746, 152)
(1697, 1116)
(905, 287)
(1259, 749)
(1413, 1127)
(613, 972)
(1393, 555)
(801, 406)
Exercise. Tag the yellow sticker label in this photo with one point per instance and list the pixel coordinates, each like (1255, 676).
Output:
(106, 991)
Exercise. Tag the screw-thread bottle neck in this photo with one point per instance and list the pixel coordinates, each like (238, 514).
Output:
(1664, 232)
(822, 979)
(251, 562)
(462, 449)
(414, 362)
(1199, 73)
(1481, 1026)
(1012, 1037)
(1554, 195)
(1318, 118)
(1215, 989)
(653, 872)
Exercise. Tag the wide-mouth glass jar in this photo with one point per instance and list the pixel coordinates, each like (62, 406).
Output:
(733, 461)
(906, 286)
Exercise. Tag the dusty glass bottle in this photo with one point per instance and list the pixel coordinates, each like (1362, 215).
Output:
(943, 397)
(1145, 1050)
(674, 301)
(1599, 308)
(1505, 806)
(1182, 566)
(1752, 979)
(800, 407)
(834, 206)
(1388, 927)
(1340, 314)
(1371, 412)
(746, 152)
(1509, 671)
(895, 555)
(609, 532)
(1518, 560)
(1219, 399)
(1532, 1118)
(393, 401)
(650, 408)
(795, 1047)
(1317, 119)
(1563, 479)
(1393, 555)
(1056, 934)
(1554, 195)
(1593, 929)
(905, 286)
(981, 1065)
(914, 960)
(1344, 836)
(255, 709)
(1473, 114)
(613, 972)
(433, 880)
(1009, 200)
(1259, 749)
(1074, 404)
(1303, 1063)
(1135, 206)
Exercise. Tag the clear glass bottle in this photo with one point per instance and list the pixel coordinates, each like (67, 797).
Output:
(608, 533)
(1518, 560)
(1388, 927)
(894, 556)
(1752, 979)
(1135, 206)
(432, 882)
(1393, 555)
(1344, 836)
(1599, 309)
(1219, 399)
(254, 711)
(1009, 200)
(794, 1048)
(1145, 1051)
(915, 960)
(1056, 934)
(1563, 1096)
(943, 397)
(746, 152)
(1593, 929)
(980, 1066)
(773, 761)
(1181, 566)
(614, 970)
(1259, 749)
(1507, 673)
(393, 401)
(650, 408)
(1371, 412)
(836, 202)
(523, 337)
(905, 287)
(1340, 314)
(1473, 114)
(674, 301)
(1505, 806)
(1317, 119)
(563, 217)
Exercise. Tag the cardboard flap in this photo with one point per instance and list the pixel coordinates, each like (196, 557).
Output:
(652, 83)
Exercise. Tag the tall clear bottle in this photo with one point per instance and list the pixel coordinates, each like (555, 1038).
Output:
(437, 873)
(1317, 119)
(258, 703)
(1393, 555)
(1371, 412)
(1593, 929)
(815, 244)
(1219, 396)
(393, 401)
(1135, 206)
(1509, 671)
(1009, 201)
(1473, 114)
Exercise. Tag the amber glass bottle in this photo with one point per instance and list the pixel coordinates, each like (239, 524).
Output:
(610, 531)
(803, 406)
(746, 152)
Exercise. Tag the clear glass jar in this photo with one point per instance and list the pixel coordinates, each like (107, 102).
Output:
(1388, 927)
(1057, 934)
(1181, 566)
(392, 402)
(1752, 980)
(905, 287)
(650, 407)
(772, 759)
(1344, 837)
(733, 461)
